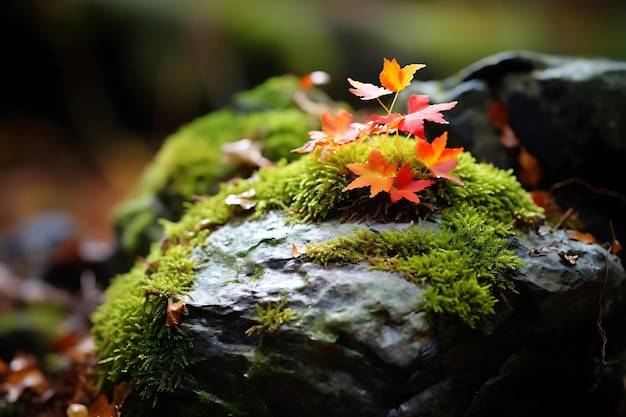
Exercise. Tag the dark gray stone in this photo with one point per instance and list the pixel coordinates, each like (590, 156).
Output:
(360, 343)
(568, 112)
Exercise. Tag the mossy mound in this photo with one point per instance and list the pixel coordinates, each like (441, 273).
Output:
(129, 329)
(190, 161)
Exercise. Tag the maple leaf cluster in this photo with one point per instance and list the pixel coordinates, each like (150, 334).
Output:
(379, 173)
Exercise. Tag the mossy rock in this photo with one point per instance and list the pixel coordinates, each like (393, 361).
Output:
(190, 161)
(476, 222)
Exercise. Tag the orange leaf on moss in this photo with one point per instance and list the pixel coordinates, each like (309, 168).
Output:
(406, 187)
(336, 131)
(394, 78)
(439, 159)
(376, 174)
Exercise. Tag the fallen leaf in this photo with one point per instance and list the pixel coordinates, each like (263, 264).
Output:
(245, 200)
(295, 252)
(102, 408)
(120, 393)
(21, 374)
(581, 236)
(406, 187)
(530, 169)
(174, 312)
(439, 159)
(540, 198)
(336, 131)
(568, 260)
(376, 174)
(244, 152)
(498, 116)
(616, 247)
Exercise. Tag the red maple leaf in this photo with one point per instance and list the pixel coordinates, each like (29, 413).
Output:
(406, 186)
(376, 174)
(420, 109)
(439, 159)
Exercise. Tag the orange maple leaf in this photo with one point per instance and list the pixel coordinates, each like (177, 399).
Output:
(376, 174)
(439, 160)
(394, 78)
(336, 131)
(367, 91)
(406, 186)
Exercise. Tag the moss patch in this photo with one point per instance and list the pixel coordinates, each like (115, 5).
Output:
(189, 161)
(462, 264)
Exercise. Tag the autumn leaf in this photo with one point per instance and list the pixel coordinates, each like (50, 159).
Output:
(581, 236)
(439, 159)
(367, 91)
(101, 407)
(336, 131)
(530, 168)
(420, 109)
(395, 78)
(174, 312)
(376, 174)
(406, 186)
(498, 116)
(314, 78)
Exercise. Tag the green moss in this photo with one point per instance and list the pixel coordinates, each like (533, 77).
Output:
(462, 264)
(270, 318)
(129, 329)
(189, 162)
(494, 192)
(306, 189)
(258, 273)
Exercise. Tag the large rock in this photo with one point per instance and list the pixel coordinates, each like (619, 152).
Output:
(359, 342)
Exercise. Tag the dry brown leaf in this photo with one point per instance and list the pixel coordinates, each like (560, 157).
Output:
(531, 170)
(174, 312)
(102, 408)
(582, 236)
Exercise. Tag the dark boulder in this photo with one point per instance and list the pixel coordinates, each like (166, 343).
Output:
(358, 342)
(568, 116)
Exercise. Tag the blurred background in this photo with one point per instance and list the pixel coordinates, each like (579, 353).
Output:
(90, 88)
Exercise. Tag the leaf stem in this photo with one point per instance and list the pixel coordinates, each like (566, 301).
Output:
(384, 107)
(395, 97)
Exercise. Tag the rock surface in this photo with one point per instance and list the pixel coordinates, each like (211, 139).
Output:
(360, 343)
